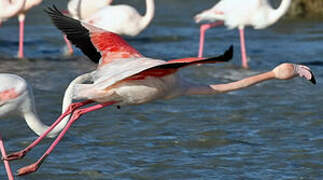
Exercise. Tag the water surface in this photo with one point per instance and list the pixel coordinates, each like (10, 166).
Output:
(270, 131)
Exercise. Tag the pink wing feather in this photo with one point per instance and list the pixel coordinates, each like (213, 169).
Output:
(112, 46)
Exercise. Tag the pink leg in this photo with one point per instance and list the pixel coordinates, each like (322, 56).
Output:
(21, 35)
(243, 49)
(76, 115)
(22, 153)
(69, 46)
(6, 163)
(203, 28)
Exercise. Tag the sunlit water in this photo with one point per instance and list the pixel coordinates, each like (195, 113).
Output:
(270, 131)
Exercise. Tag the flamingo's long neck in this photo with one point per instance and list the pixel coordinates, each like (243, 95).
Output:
(37, 125)
(30, 114)
(280, 11)
(150, 11)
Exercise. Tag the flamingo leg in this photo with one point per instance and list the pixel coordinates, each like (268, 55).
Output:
(203, 28)
(76, 115)
(243, 49)
(21, 19)
(69, 46)
(6, 163)
(22, 153)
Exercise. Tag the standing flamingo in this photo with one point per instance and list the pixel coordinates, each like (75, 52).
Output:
(8, 6)
(82, 9)
(21, 18)
(9, 9)
(125, 77)
(235, 13)
(16, 97)
(123, 19)
(6, 163)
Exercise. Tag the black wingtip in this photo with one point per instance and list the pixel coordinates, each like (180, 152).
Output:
(75, 32)
(52, 11)
(229, 53)
(313, 78)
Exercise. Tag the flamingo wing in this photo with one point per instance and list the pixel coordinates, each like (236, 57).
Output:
(93, 41)
(173, 65)
(140, 68)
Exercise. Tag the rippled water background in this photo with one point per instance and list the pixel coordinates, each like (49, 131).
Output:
(270, 131)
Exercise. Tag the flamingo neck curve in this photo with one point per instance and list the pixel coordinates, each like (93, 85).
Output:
(150, 12)
(275, 14)
(31, 115)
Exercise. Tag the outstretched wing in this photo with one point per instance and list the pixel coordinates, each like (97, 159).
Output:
(93, 41)
(173, 65)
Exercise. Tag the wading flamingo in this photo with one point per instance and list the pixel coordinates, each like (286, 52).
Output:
(123, 19)
(16, 97)
(21, 18)
(125, 77)
(235, 13)
(6, 163)
(82, 9)
(9, 9)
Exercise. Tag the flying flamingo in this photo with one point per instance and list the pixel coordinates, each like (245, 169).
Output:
(125, 77)
(82, 9)
(123, 19)
(234, 13)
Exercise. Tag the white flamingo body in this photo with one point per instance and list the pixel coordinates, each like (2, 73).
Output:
(122, 19)
(13, 94)
(82, 9)
(235, 13)
(9, 9)
(238, 14)
(110, 84)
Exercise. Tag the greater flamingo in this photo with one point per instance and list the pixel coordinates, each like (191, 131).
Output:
(9, 9)
(125, 77)
(123, 19)
(82, 9)
(235, 13)
(21, 18)
(16, 97)
(6, 163)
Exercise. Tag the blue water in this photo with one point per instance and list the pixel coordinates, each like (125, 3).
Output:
(270, 131)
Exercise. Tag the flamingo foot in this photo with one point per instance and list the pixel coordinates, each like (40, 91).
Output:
(28, 169)
(67, 51)
(15, 155)
(245, 61)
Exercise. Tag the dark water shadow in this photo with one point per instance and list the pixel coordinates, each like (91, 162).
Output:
(245, 142)
(312, 63)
